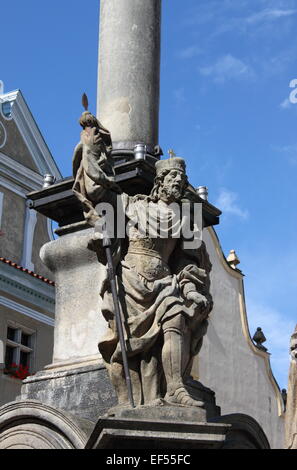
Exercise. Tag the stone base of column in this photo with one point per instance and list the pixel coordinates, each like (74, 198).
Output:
(157, 428)
(84, 391)
(32, 424)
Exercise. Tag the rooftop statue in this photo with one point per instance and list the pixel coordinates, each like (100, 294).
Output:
(163, 282)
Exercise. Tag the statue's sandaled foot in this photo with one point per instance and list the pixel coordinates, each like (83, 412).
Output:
(156, 402)
(182, 397)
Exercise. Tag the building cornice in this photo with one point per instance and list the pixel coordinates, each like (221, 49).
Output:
(233, 272)
(29, 312)
(17, 176)
(24, 293)
(31, 134)
(8, 264)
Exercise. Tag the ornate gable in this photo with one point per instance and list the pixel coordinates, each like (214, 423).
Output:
(24, 160)
(20, 137)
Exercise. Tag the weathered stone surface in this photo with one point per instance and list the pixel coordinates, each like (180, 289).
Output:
(29, 424)
(129, 71)
(244, 432)
(33, 425)
(78, 321)
(85, 392)
(204, 394)
(156, 297)
(138, 433)
(161, 411)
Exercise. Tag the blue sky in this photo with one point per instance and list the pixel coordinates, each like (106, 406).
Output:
(226, 69)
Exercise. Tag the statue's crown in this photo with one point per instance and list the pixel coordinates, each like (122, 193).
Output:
(175, 163)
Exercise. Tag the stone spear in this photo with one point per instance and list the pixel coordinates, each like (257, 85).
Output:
(113, 285)
(120, 329)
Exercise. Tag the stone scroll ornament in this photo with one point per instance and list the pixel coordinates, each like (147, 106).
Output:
(291, 408)
(163, 285)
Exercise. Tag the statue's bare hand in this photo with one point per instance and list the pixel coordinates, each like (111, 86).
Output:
(204, 305)
(90, 136)
(197, 298)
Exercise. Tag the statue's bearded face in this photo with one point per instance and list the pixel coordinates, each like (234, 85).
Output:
(173, 185)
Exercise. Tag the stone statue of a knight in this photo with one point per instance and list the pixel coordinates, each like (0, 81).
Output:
(163, 284)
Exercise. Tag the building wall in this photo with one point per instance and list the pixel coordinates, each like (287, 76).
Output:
(15, 147)
(229, 363)
(42, 343)
(26, 300)
(41, 236)
(25, 159)
(12, 225)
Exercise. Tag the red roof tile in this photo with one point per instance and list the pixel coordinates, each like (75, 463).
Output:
(25, 270)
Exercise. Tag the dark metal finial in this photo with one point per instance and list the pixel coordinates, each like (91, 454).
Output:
(85, 101)
(259, 338)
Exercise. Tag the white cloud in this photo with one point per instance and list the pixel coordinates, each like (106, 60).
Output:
(269, 14)
(189, 52)
(253, 22)
(250, 18)
(226, 202)
(290, 152)
(179, 95)
(286, 104)
(205, 12)
(226, 68)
